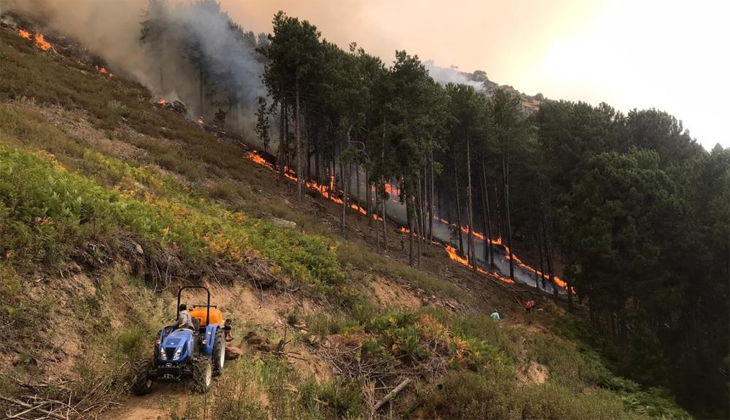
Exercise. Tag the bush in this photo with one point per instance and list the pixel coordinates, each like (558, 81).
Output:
(343, 398)
(494, 395)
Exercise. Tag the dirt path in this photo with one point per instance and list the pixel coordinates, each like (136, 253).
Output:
(151, 407)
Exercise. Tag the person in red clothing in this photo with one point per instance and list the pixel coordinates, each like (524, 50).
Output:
(528, 306)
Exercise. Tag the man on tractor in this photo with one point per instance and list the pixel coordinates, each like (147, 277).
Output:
(184, 321)
(192, 348)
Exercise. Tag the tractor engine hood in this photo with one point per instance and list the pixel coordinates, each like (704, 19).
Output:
(176, 346)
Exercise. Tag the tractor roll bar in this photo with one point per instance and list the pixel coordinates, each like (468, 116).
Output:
(179, 295)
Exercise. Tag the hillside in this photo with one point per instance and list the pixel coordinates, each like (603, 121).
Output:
(109, 202)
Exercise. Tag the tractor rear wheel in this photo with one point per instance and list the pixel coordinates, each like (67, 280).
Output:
(202, 374)
(141, 381)
(219, 354)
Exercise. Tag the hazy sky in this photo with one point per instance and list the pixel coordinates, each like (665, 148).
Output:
(670, 55)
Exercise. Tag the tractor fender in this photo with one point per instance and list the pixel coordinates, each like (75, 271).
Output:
(210, 333)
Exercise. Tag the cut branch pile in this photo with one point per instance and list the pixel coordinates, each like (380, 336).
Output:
(389, 374)
(45, 400)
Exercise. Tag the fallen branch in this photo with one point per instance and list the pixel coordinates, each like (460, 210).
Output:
(24, 405)
(392, 394)
(15, 416)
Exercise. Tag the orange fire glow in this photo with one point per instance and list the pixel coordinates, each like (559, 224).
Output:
(161, 101)
(200, 120)
(392, 190)
(41, 42)
(331, 193)
(455, 256)
(104, 71)
(258, 159)
(465, 261)
(24, 34)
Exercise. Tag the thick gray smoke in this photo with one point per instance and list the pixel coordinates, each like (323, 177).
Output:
(189, 40)
(445, 76)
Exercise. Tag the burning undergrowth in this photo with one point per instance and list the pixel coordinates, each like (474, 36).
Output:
(333, 193)
(48, 40)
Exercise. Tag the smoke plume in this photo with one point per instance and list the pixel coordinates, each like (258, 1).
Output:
(189, 44)
(445, 76)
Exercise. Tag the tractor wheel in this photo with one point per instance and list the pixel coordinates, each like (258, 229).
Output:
(219, 354)
(141, 381)
(202, 374)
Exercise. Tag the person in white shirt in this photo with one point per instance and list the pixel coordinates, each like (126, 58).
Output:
(184, 321)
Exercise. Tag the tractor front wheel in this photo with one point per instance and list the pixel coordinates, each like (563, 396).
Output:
(141, 381)
(219, 354)
(202, 374)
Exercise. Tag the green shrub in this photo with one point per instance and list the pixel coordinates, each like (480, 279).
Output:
(226, 190)
(134, 342)
(343, 398)
(493, 394)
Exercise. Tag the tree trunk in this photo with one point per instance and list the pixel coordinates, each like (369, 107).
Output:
(536, 242)
(431, 203)
(368, 199)
(542, 269)
(344, 197)
(505, 174)
(287, 149)
(357, 185)
(418, 224)
(300, 154)
(282, 134)
(547, 255)
(383, 199)
(458, 208)
(377, 228)
(472, 250)
(200, 79)
(421, 208)
(385, 222)
(409, 217)
(488, 229)
(317, 166)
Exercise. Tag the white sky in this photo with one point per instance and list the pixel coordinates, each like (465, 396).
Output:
(671, 55)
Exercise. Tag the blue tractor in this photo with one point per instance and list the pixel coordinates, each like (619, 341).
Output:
(181, 353)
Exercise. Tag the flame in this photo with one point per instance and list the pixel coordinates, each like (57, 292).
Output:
(465, 261)
(102, 70)
(455, 256)
(24, 34)
(330, 192)
(257, 159)
(200, 120)
(161, 101)
(498, 241)
(41, 42)
(392, 190)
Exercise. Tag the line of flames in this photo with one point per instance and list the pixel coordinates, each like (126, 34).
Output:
(40, 42)
(498, 241)
(330, 192)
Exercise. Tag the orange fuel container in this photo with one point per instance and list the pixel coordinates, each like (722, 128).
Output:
(216, 317)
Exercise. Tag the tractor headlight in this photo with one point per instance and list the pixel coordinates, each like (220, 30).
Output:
(177, 354)
(163, 355)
